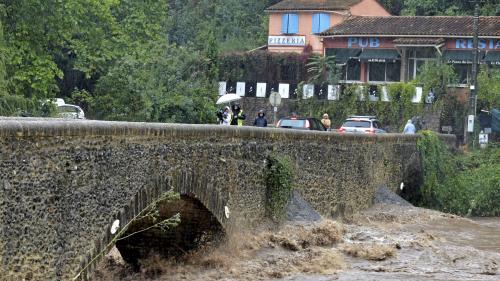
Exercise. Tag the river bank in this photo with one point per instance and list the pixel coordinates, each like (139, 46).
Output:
(385, 242)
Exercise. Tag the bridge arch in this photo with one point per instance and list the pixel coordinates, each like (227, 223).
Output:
(63, 183)
(203, 220)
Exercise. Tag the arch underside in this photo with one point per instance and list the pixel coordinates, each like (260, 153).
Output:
(198, 226)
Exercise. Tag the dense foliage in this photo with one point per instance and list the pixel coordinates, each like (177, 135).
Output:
(122, 59)
(464, 184)
(152, 60)
(263, 66)
(355, 100)
(489, 88)
(279, 186)
(440, 7)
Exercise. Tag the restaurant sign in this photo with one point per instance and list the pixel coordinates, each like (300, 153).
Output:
(286, 40)
(486, 44)
(360, 42)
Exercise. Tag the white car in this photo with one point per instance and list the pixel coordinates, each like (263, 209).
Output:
(70, 111)
(362, 124)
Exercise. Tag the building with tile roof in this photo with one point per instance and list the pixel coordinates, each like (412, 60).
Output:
(295, 24)
(381, 50)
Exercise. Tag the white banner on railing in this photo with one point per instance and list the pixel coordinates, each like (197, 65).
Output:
(261, 90)
(360, 90)
(385, 94)
(284, 90)
(222, 88)
(240, 89)
(333, 92)
(308, 91)
(417, 98)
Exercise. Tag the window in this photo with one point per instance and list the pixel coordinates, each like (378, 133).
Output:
(463, 72)
(393, 71)
(357, 124)
(377, 71)
(321, 22)
(384, 71)
(417, 58)
(351, 71)
(289, 24)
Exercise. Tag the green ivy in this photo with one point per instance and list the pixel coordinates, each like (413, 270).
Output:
(465, 184)
(279, 186)
(354, 101)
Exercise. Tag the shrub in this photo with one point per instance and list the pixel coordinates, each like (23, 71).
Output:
(463, 184)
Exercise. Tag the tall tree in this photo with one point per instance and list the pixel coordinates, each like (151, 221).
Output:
(2, 59)
(446, 7)
(40, 33)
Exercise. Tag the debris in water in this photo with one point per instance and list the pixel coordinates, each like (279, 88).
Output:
(374, 252)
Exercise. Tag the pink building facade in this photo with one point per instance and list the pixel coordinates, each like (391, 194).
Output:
(294, 25)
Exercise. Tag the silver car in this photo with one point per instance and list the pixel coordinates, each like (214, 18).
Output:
(70, 111)
(362, 125)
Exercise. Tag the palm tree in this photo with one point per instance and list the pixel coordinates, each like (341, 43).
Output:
(323, 69)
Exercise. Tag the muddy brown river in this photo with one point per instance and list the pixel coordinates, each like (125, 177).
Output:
(386, 242)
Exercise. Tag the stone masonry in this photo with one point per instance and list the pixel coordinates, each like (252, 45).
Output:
(63, 183)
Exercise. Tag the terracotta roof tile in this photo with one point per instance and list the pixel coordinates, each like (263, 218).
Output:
(416, 25)
(321, 5)
(418, 41)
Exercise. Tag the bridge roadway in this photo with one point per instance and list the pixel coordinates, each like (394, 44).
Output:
(63, 183)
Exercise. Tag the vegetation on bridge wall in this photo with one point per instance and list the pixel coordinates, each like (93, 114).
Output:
(279, 177)
(464, 184)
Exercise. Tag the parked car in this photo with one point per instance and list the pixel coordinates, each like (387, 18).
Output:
(70, 111)
(362, 124)
(301, 123)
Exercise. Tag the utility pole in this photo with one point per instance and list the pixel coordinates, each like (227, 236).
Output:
(473, 84)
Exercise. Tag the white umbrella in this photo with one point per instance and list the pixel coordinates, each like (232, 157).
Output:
(228, 98)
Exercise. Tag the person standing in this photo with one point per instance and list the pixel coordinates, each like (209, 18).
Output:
(430, 97)
(238, 115)
(326, 122)
(409, 128)
(261, 120)
(226, 116)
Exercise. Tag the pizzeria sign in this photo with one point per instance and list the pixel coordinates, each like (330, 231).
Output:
(286, 40)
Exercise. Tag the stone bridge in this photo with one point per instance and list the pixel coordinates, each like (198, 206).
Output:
(63, 183)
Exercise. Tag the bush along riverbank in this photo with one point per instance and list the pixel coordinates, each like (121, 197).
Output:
(466, 183)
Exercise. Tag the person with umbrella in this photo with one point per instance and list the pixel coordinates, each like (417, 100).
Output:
(226, 116)
(238, 115)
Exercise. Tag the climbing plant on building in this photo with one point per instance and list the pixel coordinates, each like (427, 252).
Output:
(279, 186)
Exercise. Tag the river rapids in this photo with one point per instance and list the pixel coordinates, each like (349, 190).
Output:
(386, 242)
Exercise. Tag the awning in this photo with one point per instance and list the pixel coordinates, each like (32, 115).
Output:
(458, 57)
(492, 57)
(374, 55)
(343, 55)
